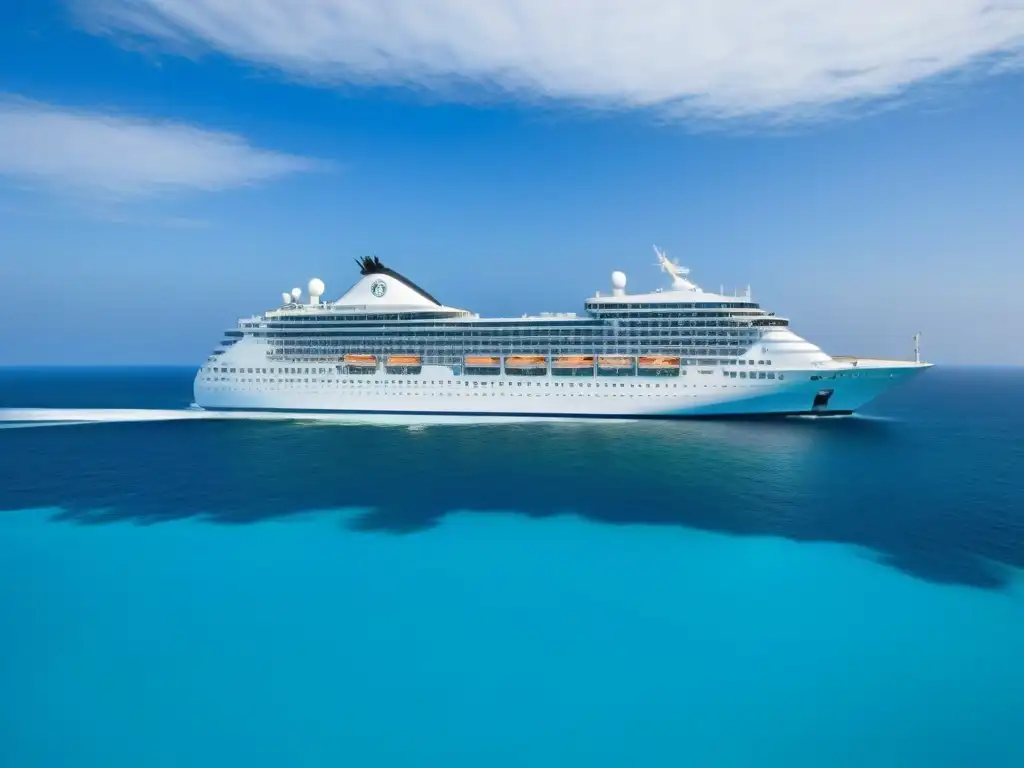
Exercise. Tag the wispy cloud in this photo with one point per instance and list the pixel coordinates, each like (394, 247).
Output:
(111, 214)
(685, 58)
(122, 157)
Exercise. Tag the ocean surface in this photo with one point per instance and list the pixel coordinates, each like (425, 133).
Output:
(191, 592)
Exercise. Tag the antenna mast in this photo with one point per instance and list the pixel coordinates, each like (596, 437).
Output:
(917, 347)
(676, 272)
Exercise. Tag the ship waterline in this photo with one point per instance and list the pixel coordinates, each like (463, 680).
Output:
(389, 347)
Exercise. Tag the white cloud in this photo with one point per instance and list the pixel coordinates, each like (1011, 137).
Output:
(686, 58)
(120, 156)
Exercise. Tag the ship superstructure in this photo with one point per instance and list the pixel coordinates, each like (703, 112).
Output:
(387, 346)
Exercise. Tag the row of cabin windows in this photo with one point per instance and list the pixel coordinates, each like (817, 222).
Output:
(505, 344)
(690, 356)
(333, 318)
(603, 331)
(705, 339)
(643, 317)
(419, 316)
(673, 305)
(487, 384)
(686, 349)
(446, 356)
(633, 331)
(752, 375)
(635, 318)
(306, 370)
(292, 371)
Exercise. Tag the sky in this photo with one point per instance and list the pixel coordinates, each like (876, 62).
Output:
(168, 166)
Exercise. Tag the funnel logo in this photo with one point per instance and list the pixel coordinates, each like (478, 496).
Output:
(378, 288)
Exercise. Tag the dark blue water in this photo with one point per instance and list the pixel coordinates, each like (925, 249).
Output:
(799, 592)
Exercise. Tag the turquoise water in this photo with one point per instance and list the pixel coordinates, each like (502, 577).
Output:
(798, 594)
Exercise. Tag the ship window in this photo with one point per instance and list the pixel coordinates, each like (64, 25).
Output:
(743, 374)
(771, 375)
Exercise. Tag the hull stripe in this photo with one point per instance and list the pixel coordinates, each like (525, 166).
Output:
(527, 414)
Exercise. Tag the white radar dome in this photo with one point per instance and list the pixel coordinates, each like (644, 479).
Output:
(287, 297)
(296, 293)
(619, 280)
(316, 287)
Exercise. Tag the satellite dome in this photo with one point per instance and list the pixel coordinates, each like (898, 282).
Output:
(287, 298)
(296, 293)
(618, 280)
(316, 287)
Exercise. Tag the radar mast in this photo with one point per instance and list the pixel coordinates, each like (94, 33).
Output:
(676, 272)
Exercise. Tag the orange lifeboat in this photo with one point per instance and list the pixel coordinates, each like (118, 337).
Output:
(476, 361)
(658, 361)
(526, 361)
(614, 361)
(574, 361)
(404, 361)
(481, 360)
(362, 361)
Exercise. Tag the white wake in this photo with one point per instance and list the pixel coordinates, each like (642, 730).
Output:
(13, 418)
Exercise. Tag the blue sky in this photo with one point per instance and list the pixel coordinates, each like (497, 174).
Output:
(167, 166)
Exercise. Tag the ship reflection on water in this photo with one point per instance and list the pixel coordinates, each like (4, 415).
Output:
(860, 481)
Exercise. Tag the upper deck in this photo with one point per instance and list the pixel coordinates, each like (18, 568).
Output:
(386, 313)
(383, 295)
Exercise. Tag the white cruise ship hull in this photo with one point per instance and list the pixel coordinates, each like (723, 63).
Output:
(437, 392)
(388, 347)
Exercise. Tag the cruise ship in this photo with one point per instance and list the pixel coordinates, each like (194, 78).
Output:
(387, 346)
